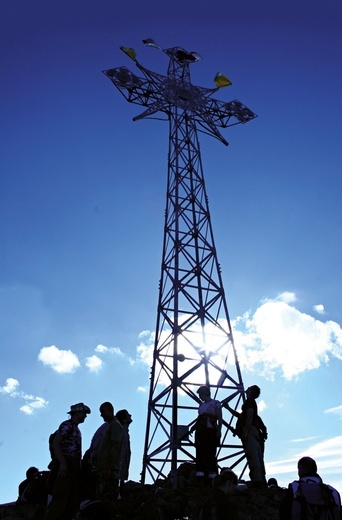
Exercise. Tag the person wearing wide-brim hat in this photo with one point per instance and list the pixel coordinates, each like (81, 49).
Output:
(65, 477)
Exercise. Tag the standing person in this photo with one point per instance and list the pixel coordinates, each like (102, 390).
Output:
(251, 437)
(96, 442)
(89, 461)
(208, 433)
(109, 459)
(310, 487)
(66, 465)
(125, 420)
(263, 435)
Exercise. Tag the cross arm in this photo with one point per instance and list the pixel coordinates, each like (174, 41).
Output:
(140, 91)
(224, 114)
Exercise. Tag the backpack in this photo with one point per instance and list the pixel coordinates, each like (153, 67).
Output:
(91, 510)
(239, 426)
(314, 501)
(51, 439)
(240, 423)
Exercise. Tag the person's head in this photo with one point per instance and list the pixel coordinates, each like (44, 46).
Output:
(78, 412)
(203, 392)
(107, 411)
(307, 467)
(124, 417)
(272, 482)
(253, 392)
(31, 472)
(226, 481)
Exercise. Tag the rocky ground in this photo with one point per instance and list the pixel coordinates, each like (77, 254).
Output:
(161, 502)
(147, 503)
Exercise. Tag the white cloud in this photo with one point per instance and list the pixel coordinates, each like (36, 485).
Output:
(144, 333)
(32, 404)
(142, 389)
(324, 450)
(304, 439)
(286, 297)
(279, 336)
(145, 348)
(94, 363)
(276, 337)
(327, 454)
(336, 410)
(319, 309)
(26, 409)
(30, 407)
(262, 405)
(111, 350)
(10, 387)
(61, 361)
(116, 351)
(101, 348)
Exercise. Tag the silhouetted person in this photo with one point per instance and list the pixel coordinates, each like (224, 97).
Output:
(109, 459)
(66, 466)
(222, 506)
(251, 437)
(97, 439)
(30, 474)
(207, 433)
(238, 430)
(308, 480)
(125, 420)
(272, 483)
(89, 461)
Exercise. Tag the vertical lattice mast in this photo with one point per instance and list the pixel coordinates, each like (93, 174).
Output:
(193, 339)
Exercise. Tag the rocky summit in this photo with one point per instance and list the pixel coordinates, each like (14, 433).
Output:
(151, 503)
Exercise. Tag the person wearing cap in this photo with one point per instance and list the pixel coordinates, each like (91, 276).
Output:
(66, 465)
(207, 434)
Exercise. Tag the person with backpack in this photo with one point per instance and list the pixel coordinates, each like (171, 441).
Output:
(309, 498)
(65, 475)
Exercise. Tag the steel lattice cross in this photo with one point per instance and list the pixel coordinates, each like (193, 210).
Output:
(193, 338)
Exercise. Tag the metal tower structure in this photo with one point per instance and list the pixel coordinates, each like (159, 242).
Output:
(193, 338)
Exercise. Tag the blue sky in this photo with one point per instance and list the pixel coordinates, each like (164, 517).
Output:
(82, 206)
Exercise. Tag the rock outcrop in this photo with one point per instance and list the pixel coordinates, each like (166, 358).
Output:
(161, 502)
(22, 512)
(147, 503)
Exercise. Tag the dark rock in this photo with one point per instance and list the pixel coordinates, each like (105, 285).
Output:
(163, 503)
(22, 512)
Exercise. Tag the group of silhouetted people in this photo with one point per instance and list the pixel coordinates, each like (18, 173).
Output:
(92, 481)
(250, 429)
(95, 482)
(303, 499)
